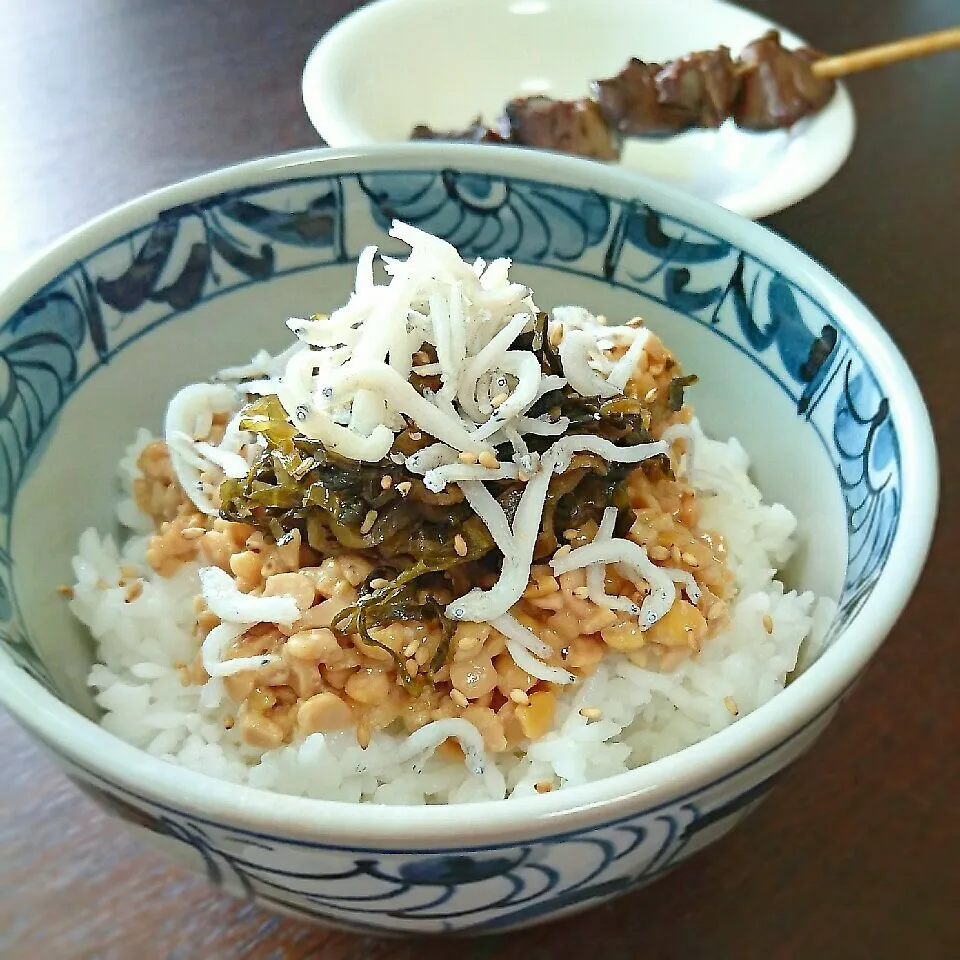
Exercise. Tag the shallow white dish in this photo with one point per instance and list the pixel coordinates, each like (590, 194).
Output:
(396, 63)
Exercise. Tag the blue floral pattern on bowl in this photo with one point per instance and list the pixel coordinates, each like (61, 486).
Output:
(194, 253)
(463, 889)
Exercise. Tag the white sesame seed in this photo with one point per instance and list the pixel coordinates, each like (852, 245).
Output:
(460, 545)
(459, 699)
(488, 459)
(768, 623)
(519, 696)
(368, 522)
(386, 483)
(591, 713)
(731, 705)
(404, 488)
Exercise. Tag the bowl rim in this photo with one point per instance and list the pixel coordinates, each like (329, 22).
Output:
(86, 745)
(766, 197)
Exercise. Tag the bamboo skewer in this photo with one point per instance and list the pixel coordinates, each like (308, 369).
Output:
(887, 53)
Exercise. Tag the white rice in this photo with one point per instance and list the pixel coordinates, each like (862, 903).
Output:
(646, 714)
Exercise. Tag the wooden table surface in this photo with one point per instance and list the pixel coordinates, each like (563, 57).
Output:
(856, 853)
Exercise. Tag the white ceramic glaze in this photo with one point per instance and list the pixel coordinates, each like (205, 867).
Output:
(395, 63)
(101, 329)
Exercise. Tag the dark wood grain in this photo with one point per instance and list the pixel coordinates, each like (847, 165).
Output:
(856, 853)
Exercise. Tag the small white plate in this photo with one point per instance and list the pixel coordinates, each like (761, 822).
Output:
(396, 63)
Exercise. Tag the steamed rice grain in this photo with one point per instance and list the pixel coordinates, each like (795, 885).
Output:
(623, 715)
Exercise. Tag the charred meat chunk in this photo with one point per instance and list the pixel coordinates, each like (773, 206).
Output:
(568, 126)
(647, 99)
(631, 105)
(477, 132)
(700, 87)
(778, 86)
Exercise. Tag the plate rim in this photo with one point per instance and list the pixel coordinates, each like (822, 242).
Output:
(770, 195)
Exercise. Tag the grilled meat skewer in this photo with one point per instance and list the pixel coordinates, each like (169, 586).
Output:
(768, 87)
